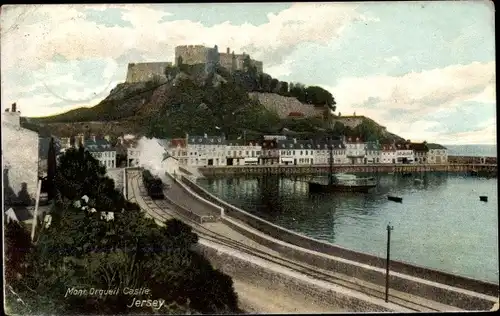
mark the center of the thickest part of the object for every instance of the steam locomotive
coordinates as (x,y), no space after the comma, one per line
(154,185)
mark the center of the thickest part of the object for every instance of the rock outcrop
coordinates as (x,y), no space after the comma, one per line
(284,105)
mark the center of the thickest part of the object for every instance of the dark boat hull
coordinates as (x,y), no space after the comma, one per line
(319,187)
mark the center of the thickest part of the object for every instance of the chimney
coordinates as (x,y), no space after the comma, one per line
(205,135)
(14,107)
(228,51)
(108,138)
(93,137)
(295,140)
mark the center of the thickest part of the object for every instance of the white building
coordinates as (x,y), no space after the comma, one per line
(177,148)
(372,153)
(304,153)
(101,150)
(437,154)
(404,153)
(206,151)
(293,152)
(240,152)
(322,150)
(286,151)
(20,159)
(388,154)
(355,150)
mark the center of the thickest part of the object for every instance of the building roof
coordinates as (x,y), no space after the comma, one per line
(235,142)
(324,144)
(372,146)
(296,114)
(435,146)
(353,140)
(269,144)
(388,147)
(419,147)
(295,144)
(99,145)
(178,142)
(403,146)
(206,140)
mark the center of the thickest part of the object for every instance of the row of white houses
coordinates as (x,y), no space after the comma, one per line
(201,151)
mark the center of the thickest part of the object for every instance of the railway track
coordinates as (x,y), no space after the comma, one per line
(158,208)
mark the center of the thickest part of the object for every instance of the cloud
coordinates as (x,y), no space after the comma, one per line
(65,30)
(406,104)
(393,60)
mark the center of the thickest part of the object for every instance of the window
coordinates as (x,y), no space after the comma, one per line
(294,152)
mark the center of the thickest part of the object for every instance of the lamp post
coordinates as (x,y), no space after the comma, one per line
(389,229)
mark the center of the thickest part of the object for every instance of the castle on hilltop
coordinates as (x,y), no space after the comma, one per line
(191,55)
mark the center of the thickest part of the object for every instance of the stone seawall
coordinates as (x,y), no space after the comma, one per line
(472,160)
(431,284)
(324,169)
(278,280)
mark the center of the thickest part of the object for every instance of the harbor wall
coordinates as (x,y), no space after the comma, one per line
(368,168)
(293,238)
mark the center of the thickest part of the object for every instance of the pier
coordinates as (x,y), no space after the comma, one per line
(367,168)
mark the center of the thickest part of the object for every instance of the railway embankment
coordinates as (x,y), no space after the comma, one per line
(431,284)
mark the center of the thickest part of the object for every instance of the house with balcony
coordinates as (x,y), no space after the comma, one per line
(404,153)
(241,152)
(355,150)
(388,154)
(437,154)
(206,150)
(269,152)
(372,152)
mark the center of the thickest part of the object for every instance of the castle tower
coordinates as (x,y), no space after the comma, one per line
(233,62)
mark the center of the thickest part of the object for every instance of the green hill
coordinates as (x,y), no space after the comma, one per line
(187,100)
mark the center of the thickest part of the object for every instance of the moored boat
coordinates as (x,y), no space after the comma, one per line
(341,182)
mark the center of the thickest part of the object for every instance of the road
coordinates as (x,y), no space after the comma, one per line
(224,235)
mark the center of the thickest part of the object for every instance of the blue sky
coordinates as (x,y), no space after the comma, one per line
(425,70)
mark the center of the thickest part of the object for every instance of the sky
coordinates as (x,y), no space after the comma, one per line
(425,70)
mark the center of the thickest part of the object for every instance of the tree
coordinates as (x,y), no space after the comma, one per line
(274,85)
(17,248)
(51,169)
(81,249)
(283,88)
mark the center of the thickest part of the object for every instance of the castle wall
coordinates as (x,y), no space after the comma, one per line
(192,54)
(226,60)
(142,72)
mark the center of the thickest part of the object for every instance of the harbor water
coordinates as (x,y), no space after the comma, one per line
(440,224)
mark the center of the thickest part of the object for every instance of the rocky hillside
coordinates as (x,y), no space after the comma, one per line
(189,100)
(282,105)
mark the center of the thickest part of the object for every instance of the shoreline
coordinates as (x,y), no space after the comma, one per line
(481,169)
